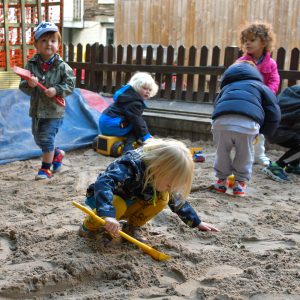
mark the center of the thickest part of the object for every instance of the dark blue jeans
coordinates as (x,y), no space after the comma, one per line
(44,132)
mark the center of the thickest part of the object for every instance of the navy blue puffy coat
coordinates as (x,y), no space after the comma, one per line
(244,93)
(288,132)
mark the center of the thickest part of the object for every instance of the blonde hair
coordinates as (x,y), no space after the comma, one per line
(143,80)
(169,159)
(260,30)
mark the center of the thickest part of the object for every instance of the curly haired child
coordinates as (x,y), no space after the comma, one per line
(139,185)
(257,40)
(47,116)
(125,116)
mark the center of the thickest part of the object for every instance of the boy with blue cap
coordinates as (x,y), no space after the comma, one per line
(48,68)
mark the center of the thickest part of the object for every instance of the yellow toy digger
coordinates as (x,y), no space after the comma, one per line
(110,145)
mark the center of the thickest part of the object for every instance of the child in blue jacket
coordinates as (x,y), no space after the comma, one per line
(244,108)
(125,116)
(139,185)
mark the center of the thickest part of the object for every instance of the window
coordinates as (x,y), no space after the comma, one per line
(109,36)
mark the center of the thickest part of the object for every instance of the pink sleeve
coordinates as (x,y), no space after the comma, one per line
(274,79)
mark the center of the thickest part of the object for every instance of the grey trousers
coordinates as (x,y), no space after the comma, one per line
(238,163)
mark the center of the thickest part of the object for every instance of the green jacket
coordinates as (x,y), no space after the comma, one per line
(60,76)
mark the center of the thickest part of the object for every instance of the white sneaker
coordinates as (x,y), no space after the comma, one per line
(262,160)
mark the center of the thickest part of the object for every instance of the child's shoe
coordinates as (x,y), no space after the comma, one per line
(293,169)
(43,174)
(84,232)
(57,161)
(239,188)
(220,186)
(107,238)
(275,172)
(135,232)
(259,151)
(262,160)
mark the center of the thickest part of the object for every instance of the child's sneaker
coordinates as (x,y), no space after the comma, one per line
(239,188)
(220,186)
(293,169)
(262,160)
(275,172)
(135,232)
(84,232)
(57,161)
(43,174)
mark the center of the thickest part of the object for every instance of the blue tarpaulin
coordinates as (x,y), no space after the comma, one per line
(80,127)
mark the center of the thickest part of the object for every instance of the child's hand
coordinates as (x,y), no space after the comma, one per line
(112,226)
(33,81)
(207,227)
(51,92)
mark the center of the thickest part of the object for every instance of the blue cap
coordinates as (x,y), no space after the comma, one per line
(44,27)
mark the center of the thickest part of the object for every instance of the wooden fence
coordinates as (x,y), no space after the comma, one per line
(182,74)
(204,22)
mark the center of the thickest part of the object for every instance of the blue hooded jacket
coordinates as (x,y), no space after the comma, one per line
(244,93)
(125,115)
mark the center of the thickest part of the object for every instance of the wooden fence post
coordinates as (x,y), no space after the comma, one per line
(212,87)
(190,78)
(179,77)
(294,64)
(120,51)
(231,55)
(280,61)
(202,78)
(129,57)
(81,72)
(168,77)
(94,60)
(159,76)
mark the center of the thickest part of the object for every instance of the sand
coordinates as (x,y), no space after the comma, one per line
(255,256)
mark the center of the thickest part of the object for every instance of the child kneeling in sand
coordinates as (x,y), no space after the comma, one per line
(139,185)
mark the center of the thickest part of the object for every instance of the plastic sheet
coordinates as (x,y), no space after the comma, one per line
(80,127)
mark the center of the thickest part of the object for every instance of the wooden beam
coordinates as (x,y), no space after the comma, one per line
(39,8)
(6,33)
(24,48)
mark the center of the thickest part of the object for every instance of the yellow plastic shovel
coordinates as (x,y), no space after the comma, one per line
(147,249)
